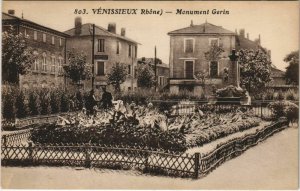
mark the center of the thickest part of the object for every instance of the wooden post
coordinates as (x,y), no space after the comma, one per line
(30,152)
(196,162)
(87,158)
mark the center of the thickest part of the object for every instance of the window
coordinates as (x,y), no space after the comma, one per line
(189,69)
(60,63)
(189,45)
(129,69)
(52,64)
(100,45)
(213,69)
(129,50)
(44,62)
(118,47)
(44,37)
(36,63)
(160,80)
(60,41)
(35,35)
(135,71)
(25,32)
(213,41)
(100,68)
(135,48)
(52,40)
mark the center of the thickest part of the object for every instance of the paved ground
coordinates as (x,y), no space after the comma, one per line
(272,164)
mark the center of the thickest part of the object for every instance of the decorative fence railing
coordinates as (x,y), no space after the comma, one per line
(175,108)
(19,123)
(235,147)
(15,137)
(174,164)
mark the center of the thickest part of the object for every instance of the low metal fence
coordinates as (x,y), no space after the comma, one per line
(149,161)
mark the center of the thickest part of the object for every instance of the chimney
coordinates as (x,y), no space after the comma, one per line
(192,24)
(242,33)
(247,35)
(123,31)
(11,12)
(78,25)
(111,27)
(259,39)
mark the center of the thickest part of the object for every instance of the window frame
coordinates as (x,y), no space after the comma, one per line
(96,68)
(211,39)
(44,62)
(184,45)
(53,40)
(129,50)
(35,34)
(184,71)
(44,37)
(101,46)
(218,69)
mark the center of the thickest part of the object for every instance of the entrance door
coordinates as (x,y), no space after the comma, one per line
(189,69)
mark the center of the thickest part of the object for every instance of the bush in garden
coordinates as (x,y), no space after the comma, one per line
(65,103)
(269,95)
(45,100)
(22,107)
(9,109)
(284,109)
(55,101)
(79,101)
(277,109)
(291,95)
(34,103)
(280,96)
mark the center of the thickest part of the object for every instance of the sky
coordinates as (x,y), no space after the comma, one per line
(276,21)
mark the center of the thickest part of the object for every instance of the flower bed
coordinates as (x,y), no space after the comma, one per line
(144,127)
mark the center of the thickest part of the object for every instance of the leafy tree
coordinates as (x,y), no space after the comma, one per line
(44,95)
(77,69)
(145,76)
(214,53)
(55,101)
(255,67)
(8,101)
(16,55)
(292,71)
(117,76)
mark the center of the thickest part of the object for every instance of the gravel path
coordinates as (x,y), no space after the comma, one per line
(272,164)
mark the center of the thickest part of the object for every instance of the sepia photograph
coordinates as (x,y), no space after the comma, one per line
(152,95)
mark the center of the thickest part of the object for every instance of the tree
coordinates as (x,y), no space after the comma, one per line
(117,76)
(77,69)
(292,71)
(255,67)
(213,56)
(17,57)
(145,76)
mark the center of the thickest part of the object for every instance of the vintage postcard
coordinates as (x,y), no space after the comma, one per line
(150,95)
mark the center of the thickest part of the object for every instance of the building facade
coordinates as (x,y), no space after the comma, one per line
(110,49)
(188,47)
(47,45)
(162,71)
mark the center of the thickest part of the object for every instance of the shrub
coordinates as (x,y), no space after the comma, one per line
(291,95)
(269,95)
(284,109)
(65,103)
(9,109)
(34,103)
(55,101)
(22,107)
(45,99)
(280,96)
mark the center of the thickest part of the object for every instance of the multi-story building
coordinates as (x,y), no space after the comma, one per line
(110,49)
(48,46)
(187,56)
(162,70)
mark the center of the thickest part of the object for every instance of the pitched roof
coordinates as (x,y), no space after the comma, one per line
(205,28)
(9,19)
(276,72)
(99,31)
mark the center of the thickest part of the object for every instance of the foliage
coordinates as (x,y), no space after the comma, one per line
(77,69)
(8,100)
(45,99)
(214,53)
(291,95)
(284,109)
(65,102)
(22,107)
(34,103)
(117,76)
(254,69)
(145,76)
(292,71)
(16,55)
(55,101)
(202,76)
